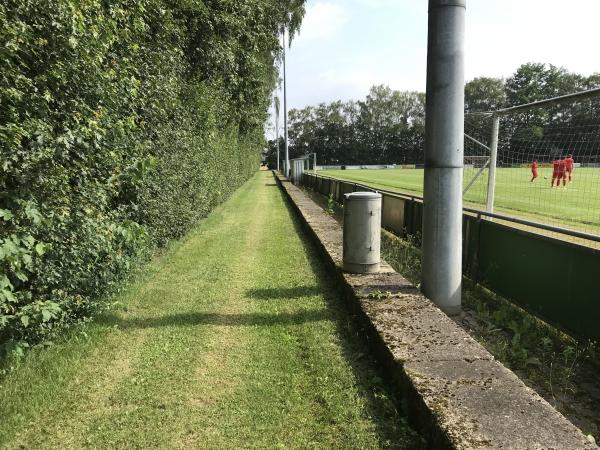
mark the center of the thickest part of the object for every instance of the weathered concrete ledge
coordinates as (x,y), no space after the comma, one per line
(453,390)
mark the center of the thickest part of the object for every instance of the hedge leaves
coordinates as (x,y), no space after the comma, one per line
(122,123)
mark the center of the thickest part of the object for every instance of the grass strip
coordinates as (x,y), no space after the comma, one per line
(234,338)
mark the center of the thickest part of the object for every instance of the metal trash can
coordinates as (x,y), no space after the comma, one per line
(362,232)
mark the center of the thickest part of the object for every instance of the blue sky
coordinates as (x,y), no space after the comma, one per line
(346,46)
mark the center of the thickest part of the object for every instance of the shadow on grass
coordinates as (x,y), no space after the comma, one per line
(195,319)
(283,293)
(383,405)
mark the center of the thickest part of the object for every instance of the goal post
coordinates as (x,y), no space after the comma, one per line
(491,187)
(519,155)
(483,163)
(476,161)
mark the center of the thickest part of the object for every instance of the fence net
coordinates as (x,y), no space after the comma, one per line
(548,164)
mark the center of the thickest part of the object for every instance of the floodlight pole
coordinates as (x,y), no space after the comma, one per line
(285,119)
(315,162)
(444,153)
(489,207)
(276,107)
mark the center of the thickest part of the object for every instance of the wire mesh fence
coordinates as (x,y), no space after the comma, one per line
(547,165)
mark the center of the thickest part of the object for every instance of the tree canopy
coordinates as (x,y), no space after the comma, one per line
(388,126)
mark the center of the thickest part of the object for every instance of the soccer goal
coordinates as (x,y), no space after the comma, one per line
(476,161)
(540,159)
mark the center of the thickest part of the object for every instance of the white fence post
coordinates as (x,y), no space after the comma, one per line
(493,162)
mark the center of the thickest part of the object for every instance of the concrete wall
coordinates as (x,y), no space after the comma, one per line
(557,280)
(452,389)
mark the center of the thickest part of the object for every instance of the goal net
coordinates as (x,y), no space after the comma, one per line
(534,177)
(476,161)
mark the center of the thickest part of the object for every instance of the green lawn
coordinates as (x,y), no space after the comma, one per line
(234,338)
(576,207)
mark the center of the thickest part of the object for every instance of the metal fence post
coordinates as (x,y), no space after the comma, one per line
(444,154)
(489,207)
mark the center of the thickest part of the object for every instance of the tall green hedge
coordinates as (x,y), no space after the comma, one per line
(122,122)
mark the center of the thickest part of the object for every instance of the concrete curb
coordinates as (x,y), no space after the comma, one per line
(454,391)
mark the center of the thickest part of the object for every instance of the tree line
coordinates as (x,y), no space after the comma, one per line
(388,126)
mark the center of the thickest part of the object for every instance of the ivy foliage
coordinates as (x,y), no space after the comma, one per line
(122,123)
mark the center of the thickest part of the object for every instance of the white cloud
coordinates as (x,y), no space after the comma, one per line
(387,3)
(358,79)
(322,20)
(503,34)
(345,46)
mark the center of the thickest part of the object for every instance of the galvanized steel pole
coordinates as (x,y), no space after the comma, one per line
(276,107)
(315,162)
(489,207)
(444,150)
(285,120)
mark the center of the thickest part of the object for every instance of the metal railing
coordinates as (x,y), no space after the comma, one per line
(478,212)
(506,256)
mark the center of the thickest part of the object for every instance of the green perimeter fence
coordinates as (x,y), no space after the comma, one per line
(558,281)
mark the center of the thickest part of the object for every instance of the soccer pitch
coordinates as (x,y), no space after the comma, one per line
(577,207)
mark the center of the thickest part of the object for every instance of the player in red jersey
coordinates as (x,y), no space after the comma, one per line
(569,166)
(559,171)
(534,171)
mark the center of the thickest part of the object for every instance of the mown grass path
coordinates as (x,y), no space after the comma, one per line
(235,338)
